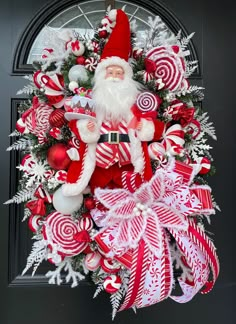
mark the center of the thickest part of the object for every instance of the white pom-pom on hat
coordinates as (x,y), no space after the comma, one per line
(112,14)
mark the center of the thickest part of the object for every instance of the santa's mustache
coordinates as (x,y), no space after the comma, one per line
(113,79)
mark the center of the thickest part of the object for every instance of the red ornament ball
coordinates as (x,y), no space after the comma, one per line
(85,223)
(57,119)
(89,203)
(103,34)
(205,165)
(57,157)
(80,60)
(112,284)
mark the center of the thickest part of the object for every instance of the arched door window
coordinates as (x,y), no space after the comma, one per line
(83,18)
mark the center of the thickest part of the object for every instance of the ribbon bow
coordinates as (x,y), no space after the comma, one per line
(163,202)
(173,138)
(37,206)
(138,114)
(32,110)
(180,112)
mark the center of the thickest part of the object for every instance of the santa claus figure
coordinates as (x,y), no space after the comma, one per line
(113,152)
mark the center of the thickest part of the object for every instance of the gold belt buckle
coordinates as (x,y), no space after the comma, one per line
(113,138)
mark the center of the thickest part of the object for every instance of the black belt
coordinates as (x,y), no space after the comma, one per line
(113,138)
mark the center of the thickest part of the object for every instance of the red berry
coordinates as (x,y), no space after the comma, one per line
(103,34)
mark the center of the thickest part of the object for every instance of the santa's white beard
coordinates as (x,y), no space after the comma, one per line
(114,98)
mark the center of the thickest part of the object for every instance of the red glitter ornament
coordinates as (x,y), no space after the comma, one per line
(57,119)
(89,203)
(103,34)
(80,60)
(57,157)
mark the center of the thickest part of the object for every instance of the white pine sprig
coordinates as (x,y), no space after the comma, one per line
(191,66)
(206,126)
(158,34)
(115,302)
(28,89)
(21,196)
(36,257)
(197,91)
(20,144)
(56,275)
(185,41)
(27,214)
(99,289)
(198,146)
(15,133)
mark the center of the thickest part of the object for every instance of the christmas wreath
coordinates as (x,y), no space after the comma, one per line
(115,167)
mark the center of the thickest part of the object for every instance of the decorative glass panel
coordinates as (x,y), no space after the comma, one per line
(83,18)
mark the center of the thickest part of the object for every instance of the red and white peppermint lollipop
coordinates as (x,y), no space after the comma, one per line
(109,265)
(38,121)
(48,174)
(74,142)
(91,64)
(112,284)
(170,67)
(205,165)
(55,132)
(60,231)
(34,222)
(28,161)
(157,151)
(21,127)
(147,101)
(92,261)
(61,176)
(194,128)
(42,138)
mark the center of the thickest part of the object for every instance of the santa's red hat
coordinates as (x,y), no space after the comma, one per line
(118,48)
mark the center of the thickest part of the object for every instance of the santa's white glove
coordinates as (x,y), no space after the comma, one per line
(145,130)
(88,130)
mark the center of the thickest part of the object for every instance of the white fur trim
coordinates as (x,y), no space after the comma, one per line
(89,163)
(112,14)
(73,154)
(115,60)
(147,131)
(136,152)
(85,134)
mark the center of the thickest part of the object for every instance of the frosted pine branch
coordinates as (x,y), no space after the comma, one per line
(206,126)
(36,257)
(158,34)
(55,276)
(198,146)
(21,196)
(185,41)
(115,302)
(197,91)
(27,214)
(15,133)
(190,68)
(99,289)
(28,89)
(75,276)
(20,144)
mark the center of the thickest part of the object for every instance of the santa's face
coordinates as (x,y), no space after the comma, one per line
(114,73)
(114,93)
